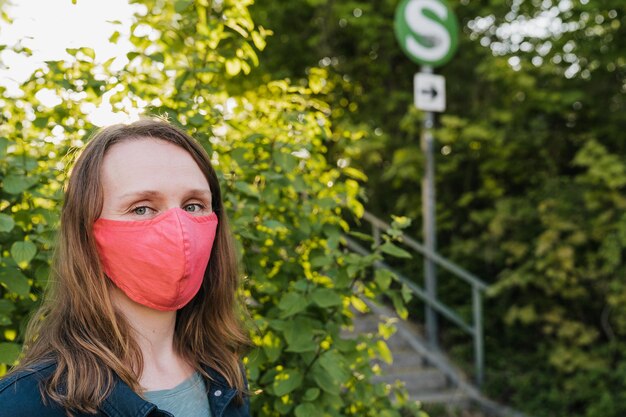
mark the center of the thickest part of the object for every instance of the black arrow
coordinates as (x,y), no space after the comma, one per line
(432,92)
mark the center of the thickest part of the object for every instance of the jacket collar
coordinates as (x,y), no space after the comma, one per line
(123,401)
(220,393)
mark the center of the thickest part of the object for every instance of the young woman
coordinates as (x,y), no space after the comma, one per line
(140,318)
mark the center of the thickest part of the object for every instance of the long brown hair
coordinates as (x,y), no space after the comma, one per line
(77,326)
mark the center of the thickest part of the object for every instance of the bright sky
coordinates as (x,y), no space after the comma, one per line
(47,27)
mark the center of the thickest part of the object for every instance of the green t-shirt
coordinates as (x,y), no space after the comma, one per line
(187,399)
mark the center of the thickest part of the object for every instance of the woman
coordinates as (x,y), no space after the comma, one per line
(140,318)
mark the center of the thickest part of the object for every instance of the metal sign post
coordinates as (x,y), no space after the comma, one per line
(429,219)
(428,33)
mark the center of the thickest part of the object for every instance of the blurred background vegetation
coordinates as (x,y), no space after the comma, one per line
(531,174)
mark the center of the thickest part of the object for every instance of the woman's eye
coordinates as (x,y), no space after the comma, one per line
(140,210)
(193,208)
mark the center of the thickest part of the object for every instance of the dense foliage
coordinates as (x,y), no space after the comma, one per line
(531,173)
(287,200)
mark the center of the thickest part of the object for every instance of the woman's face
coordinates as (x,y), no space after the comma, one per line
(142,178)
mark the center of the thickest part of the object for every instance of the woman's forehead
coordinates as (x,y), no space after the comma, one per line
(150,164)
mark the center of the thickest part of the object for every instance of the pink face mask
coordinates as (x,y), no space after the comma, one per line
(159,262)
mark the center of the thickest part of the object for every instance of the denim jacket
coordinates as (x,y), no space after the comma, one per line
(20,397)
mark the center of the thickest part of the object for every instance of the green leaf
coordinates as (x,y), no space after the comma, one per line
(40,122)
(386,329)
(393,250)
(42,274)
(400,222)
(9,352)
(258,40)
(6,223)
(406,293)
(398,304)
(284,160)
(23,252)
(362,236)
(359,304)
(274,224)
(282,408)
(311,394)
(334,364)
(321,261)
(181,5)
(157,57)
(89,52)
(292,303)
(383,351)
(114,37)
(326,297)
(14,184)
(254,138)
(233,66)
(287,381)
(15,281)
(247,189)
(272,346)
(383,278)
(307,410)
(324,380)
(197,119)
(299,335)
(4,144)
(239,155)
(6,307)
(354,173)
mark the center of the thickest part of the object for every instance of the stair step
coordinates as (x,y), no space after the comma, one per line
(402,359)
(365,323)
(448,397)
(397,343)
(415,379)
(423,382)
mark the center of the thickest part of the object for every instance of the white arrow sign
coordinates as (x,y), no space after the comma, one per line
(429,92)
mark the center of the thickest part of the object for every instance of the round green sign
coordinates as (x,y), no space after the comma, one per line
(427,31)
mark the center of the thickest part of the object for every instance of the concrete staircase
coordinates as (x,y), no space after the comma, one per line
(424,381)
(428,376)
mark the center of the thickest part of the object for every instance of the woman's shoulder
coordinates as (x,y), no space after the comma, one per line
(25,377)
(20,394)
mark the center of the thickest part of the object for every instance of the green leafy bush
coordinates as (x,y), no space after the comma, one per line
(287,203)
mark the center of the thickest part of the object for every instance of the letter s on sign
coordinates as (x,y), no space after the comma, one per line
(427,29)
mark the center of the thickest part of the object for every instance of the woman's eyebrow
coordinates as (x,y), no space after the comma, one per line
(157,194)
(141,194)
(200,192)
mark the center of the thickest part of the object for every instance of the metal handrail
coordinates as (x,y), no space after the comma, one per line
(475,329)
(416,289)
(414,244)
